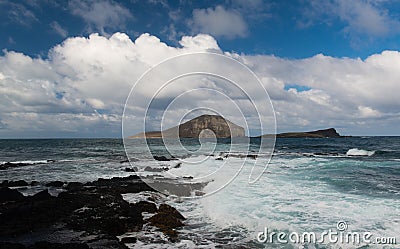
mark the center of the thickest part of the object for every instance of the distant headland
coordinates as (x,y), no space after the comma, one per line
(325,133)
(207,126)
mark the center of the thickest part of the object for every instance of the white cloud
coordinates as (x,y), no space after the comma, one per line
(81,76)
(361,17)
(219,22)
(82,86)
(18,13)
(100,14)
(58,29)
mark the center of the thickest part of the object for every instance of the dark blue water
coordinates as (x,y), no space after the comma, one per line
(310,183)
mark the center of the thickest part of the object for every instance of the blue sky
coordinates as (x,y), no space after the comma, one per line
(291,29)
(332,63)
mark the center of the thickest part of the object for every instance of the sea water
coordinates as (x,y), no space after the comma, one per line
(310,185)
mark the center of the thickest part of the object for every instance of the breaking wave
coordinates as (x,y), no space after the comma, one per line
(358,152)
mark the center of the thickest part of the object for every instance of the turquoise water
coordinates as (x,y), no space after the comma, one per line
(309,185)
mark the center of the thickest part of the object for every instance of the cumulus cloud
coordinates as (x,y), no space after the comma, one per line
(80,90)
(219,22)
(100,15)
(85,79)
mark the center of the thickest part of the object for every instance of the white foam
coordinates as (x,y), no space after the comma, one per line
(29,162)
(359,152)
(280,202)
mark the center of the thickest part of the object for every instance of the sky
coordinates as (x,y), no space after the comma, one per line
(67,67)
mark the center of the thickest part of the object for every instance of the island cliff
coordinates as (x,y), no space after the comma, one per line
(205,126)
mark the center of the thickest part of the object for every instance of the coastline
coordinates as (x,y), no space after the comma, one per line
(84,215)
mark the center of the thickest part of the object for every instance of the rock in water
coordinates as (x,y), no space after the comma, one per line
(205,126)
(326,133)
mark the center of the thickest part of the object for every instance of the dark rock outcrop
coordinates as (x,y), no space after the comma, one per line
(44,245)
(95,209)
(163,158)
(145,206)
(56,184)
(128,240)
(167,220)
(19,183)
(7,195)
(134,169)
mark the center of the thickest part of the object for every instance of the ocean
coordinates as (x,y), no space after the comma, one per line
(310,185)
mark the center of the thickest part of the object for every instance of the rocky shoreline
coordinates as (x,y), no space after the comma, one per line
(85,215)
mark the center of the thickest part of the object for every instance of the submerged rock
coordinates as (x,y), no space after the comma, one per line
(161,158)
(150,169)
(134,169)
(19,183)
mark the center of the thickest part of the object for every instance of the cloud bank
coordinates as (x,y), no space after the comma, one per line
(81,88)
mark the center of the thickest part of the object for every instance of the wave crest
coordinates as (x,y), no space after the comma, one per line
(359,152)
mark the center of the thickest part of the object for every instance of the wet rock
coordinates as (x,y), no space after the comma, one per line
(95,209)
(134,169)
(107,243)
(178,165)
(19,183)
(252,156)
(161,158)
(56,184)
(199,193)
(167,220)
(12,165)
(101,212)
(34,183)
(145,206)
(7,194)
(9,245)
(150,169)
(48,245)
(74,186)
(165,208)
(121,185)
(41,196)
(127,240)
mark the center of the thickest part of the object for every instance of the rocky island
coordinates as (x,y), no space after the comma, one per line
(205,126)
(325,133)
